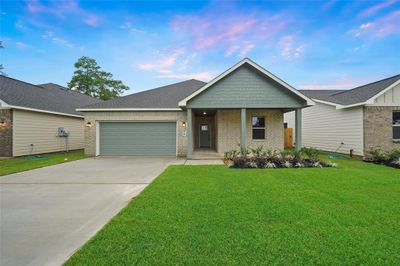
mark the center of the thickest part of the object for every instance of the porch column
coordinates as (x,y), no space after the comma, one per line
(189,134)
(298,127)
(243,131)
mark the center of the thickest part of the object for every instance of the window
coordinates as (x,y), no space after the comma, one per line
(258,124)
(396,125)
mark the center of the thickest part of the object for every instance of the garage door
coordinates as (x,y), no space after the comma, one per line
(137,138)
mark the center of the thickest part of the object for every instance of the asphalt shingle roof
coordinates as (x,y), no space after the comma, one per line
(357,95)
(163,97)
(55,99)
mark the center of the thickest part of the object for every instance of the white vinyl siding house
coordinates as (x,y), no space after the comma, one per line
(325,128)
(361,118)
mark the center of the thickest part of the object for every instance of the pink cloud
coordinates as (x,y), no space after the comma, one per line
(164,64)
(231,50)
(228,31)
(172,66)
(376,8)
(289,48)
(61,9)
(247,47)
(91,20)
(382,27)
(329,4)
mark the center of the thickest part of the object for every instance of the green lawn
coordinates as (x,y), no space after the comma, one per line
(212,215)
(20,164)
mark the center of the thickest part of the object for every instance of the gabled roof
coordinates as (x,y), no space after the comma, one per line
(356,96)
(256,66)
(52,86)
(162,98)
(22,95)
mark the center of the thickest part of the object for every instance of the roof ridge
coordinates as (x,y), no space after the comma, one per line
(23,82)
(358,87)
(161,87)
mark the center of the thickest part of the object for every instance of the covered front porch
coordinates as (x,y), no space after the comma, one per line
(212,131)
(244,107)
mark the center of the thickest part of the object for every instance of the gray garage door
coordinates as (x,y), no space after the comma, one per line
(137,138)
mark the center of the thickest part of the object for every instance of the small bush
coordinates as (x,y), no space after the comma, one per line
(394,155)
(388,158)
(311,153)
(258,152)
(230,155)
(240,162)
(377,155)
(269,165)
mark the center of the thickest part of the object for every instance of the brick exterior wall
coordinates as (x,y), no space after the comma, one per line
(378,130)
(228,128)
(93,117)
(6,133)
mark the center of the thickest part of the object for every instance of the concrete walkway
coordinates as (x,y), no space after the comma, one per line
(205,162)
(48,213)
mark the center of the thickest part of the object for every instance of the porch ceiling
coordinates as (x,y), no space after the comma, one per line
(204,111)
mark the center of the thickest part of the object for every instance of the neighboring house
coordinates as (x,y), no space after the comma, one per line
(360,118)
(31,115)
(244,105)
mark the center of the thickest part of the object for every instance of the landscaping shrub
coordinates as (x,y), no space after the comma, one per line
(311,153)
(379,156)
(260,158)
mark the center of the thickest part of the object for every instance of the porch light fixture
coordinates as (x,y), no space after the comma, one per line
(204,113)
(183,124)
(89,124)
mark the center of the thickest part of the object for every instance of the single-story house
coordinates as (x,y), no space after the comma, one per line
(243,105)
(31,117)
(357,119)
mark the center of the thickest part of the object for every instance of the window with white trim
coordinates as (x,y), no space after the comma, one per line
(396,125)
(258,126)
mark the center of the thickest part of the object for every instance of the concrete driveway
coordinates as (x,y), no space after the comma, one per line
(48,213)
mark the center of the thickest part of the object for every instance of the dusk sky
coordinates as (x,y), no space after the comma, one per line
(310,45)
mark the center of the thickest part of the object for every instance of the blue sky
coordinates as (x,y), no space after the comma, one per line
(311,45)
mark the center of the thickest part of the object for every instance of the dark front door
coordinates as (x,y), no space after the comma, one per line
(205,141)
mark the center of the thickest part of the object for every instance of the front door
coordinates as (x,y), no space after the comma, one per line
(205,141)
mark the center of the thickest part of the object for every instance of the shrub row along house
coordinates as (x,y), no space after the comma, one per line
(358,119)
(32,118)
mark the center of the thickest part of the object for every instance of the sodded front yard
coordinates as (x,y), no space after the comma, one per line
(199,215)
(24,163)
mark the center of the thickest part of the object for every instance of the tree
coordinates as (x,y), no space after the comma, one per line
(91,80)
(1,65)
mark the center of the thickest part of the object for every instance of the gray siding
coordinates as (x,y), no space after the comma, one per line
(137,138)
(246,87)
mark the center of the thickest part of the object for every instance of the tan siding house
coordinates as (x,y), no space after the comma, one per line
(31,116)
(41,131)
(244,106)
